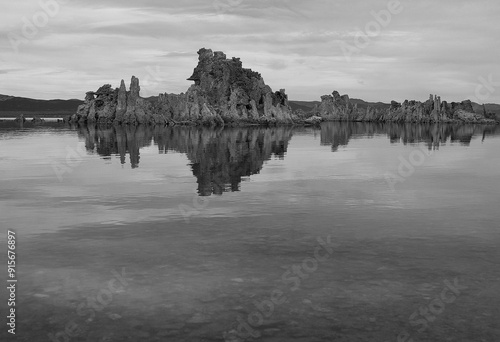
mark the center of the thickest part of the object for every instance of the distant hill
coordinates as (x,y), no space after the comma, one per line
(307,106)
(5,97)
(363,104)
(151,99)
(490,107)
(13,106)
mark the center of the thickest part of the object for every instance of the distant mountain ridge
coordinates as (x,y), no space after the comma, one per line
(490,107)
(12,105)
(5,97)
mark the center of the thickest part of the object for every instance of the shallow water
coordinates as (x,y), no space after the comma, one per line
(344,232)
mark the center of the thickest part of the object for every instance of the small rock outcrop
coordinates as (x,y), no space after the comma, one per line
(108,105)
(336,108)
(20,118)
(339,108)
(99,106)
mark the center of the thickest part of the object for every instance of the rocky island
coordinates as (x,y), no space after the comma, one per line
(225,93)
(339,108)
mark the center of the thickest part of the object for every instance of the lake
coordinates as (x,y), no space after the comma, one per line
(344,232)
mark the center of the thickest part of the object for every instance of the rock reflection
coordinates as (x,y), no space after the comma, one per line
(117,140)
(221,158)
(339,134)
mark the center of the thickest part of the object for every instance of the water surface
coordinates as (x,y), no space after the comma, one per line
(208,226)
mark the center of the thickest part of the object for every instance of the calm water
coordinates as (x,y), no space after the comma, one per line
(348,232)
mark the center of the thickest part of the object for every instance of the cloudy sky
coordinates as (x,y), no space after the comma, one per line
(63,48)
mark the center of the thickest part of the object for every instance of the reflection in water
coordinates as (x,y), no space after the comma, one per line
(107,141)
(392,252)
(339,134)
(221,158)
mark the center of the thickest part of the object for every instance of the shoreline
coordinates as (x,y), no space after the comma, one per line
(304,123)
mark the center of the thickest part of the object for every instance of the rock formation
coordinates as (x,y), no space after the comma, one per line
(339,108)
(108,105)
(223,93)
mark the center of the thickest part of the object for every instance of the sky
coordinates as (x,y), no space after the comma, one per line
(376,50)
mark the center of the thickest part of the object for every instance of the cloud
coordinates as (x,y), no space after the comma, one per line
(6,71)
(440,47)
(178,54)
